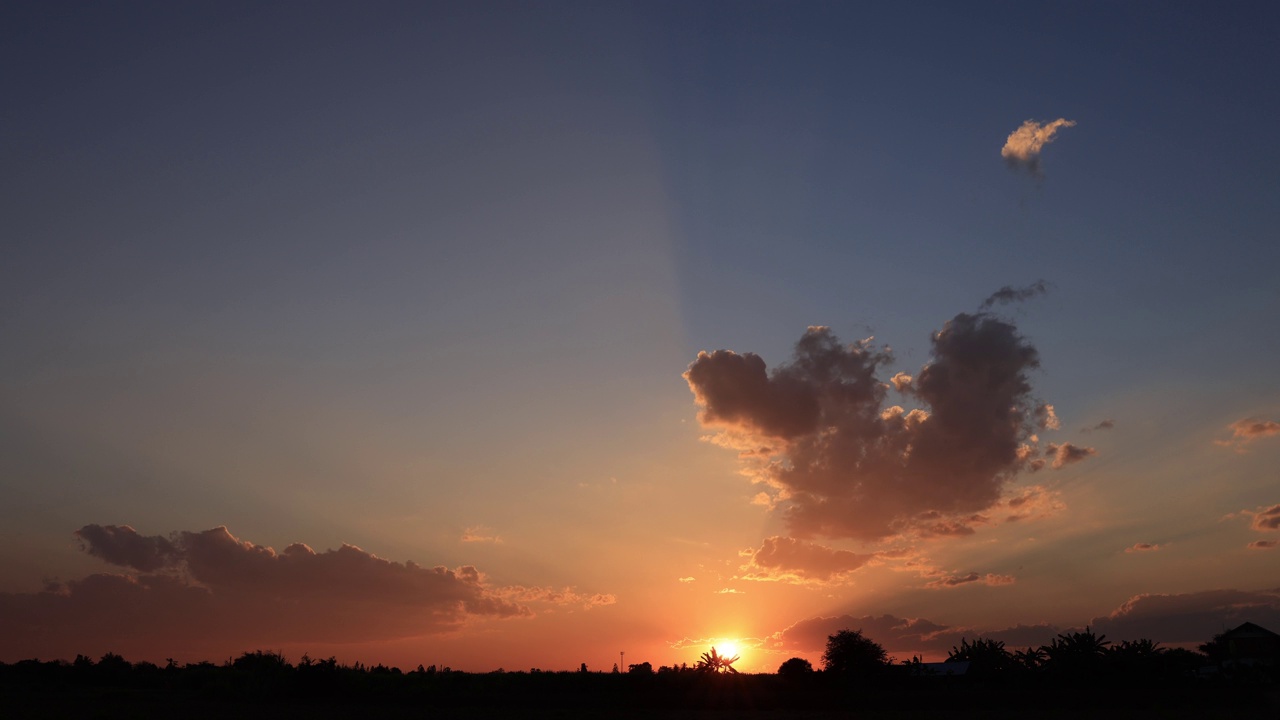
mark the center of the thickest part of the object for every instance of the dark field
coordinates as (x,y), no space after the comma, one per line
(51,690)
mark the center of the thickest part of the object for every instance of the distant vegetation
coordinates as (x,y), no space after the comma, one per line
(1078,672)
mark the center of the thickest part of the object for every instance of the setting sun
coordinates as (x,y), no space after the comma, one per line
(728,649)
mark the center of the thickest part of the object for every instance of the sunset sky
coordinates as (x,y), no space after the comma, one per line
(518,335)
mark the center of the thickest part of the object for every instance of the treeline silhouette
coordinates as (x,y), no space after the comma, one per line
(1076,673)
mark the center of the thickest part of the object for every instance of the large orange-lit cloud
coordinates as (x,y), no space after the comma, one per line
(844,463)
(1022,148)
(211,590)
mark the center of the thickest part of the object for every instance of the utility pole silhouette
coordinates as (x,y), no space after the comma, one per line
(622,661)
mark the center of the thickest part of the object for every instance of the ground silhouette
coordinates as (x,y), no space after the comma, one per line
(1078,674)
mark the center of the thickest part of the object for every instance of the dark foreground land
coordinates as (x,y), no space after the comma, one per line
(62,690)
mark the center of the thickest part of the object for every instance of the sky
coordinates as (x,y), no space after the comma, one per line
(526,335)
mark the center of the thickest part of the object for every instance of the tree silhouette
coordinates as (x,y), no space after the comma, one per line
(1031,658)
(985,656)
(711,662)
(849,652)
(1077,652)
(795,667)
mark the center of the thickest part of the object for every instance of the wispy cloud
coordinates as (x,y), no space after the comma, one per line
(951,581)
(480,534)
(1009,294)
(1248,430)
(1142,547)
(554,596)
(1022,148)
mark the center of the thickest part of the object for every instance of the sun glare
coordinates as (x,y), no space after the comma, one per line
(727,648)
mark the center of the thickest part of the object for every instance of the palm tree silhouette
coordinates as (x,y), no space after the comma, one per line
(711,662)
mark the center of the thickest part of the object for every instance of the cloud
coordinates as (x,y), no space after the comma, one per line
(687,579)
(480,534)
(1189,617)
(122,545)
(951,581)
(843,464)
(1046,417)
(1031,503)
(1266,519)
(1022,148)
(1246,431)
(1142,547)
(730,591)
(1104,425)
(685,643)
(1009,294)
(797,561)
(1262,544)
(1068,454)
(210,589)
(901,636)
(553,596)
(1263,519)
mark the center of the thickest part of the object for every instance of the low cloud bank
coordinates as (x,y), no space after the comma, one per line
(1179,619)
(212,590)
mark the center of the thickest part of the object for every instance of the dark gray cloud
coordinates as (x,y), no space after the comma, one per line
(1009,294)
(210,589)
(1181,619)
(1189,617)
(1104,425)
(902,637)
(844,463)
(122,545)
